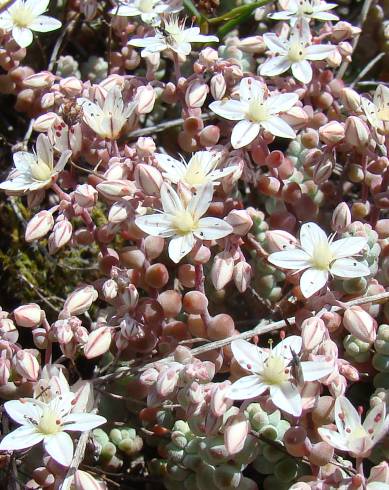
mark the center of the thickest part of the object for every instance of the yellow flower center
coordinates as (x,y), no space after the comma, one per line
(195,175)
(274,372)
(41,171)
(322,256)
(257,111)
(49,423)
(22,16)
(184,223)
(296,52)
(358,433)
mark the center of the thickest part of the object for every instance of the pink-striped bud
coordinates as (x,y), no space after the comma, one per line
(60,236)
(341,218)
(296,117)
(42,79)
(5,370)
(313,331)
(331,133)
(148,178)
(47,100)
(296,442)
(222,270)
(334,59)
(145,146)
(220,402)
(46,121)
(39,226)
(84,481)
(278,240)
(252,45)
(240,221)
(26,365)
(79,301)
(113,189)
(71,86)
(380,473)
(343,30)
(85,195)
(345,49)
(210,135)
(145,98)
(39,336)
(8,330)
(357,133)
(349,371)
(242,276)
(218,86)
(81,335)
(236,431)
(120,211)
(360,324)
(29,316)
(110,289)
(167,382)
(323,170)
(351,99)
(196,93)
(63,332)
(149,377)
(98,343)
(208,56)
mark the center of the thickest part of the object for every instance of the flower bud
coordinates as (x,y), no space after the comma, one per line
(208,56)
(360,324)
(8,330)
(81,335)
(296,442)
(120,211)
(98,343)
(357,133)
(334,59)
(341,218)
(148,178)
(60,236)
(71,86)
(313,331)
(145,146)
(278,240)
(167,382)
(29,316)
(210,135)
(380,473)
(196,93)
(222,270)
(85,195)
(332,132)
(351,99)
(43,79)
(323,170)
(145,98)
(242,276)
(39,226)
(47,100)
(113,189)
(110,289)
(252,45)
(26,365)
(235,433)
(5,370)
(343,30)
(218,86)
(84,481)
(321,454)
(39,336)
(240,221)
(79,301)
(296,117)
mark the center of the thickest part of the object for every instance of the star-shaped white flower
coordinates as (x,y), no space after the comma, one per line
(201,168)
(353,436)
(148,10)
(377,112)
(47,422)
(308,9)
(271,371)
(24,16)
(256,109)
(295,53)
(34,171)
(107,121)
(174,36)
(320,256)
(184,223)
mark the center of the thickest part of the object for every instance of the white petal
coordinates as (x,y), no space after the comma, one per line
(62,404)
(44,150)
(318,51)
(346,417)
(180,246)
(6,22)
(82,421)
(63,159)
(277,126)
(212,229)
(229,109)
(324,16)
(302,71)
(376,422)
(158,224)
(248,355)
(201,200)
(43,23)
(60,447)
(37,6)
(23,161)
(125,11)
(21,438)
(22,36)
(333,438)
(275,66)
(312,237)
(287,398)
(92,114)
(171,201)
(244,133)
(286,346)
(280,102)
(222,172)
(349,268)
(290,259)
(21,410)
(250,88)
(173,169)
(381,97)
(275,44)
(246,388)
(346,247)
(312,281)
(313,370)
(15,185)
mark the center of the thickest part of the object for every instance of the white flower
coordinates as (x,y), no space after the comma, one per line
(352,435)
(294,53)
(107,121)
(309,9)
(270,371)
(24,16)
(174,36)
(47,422)
(319,255)
(148,10)
(377,112)
(34,171)
(255,110)
(201,168)
(184,222)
